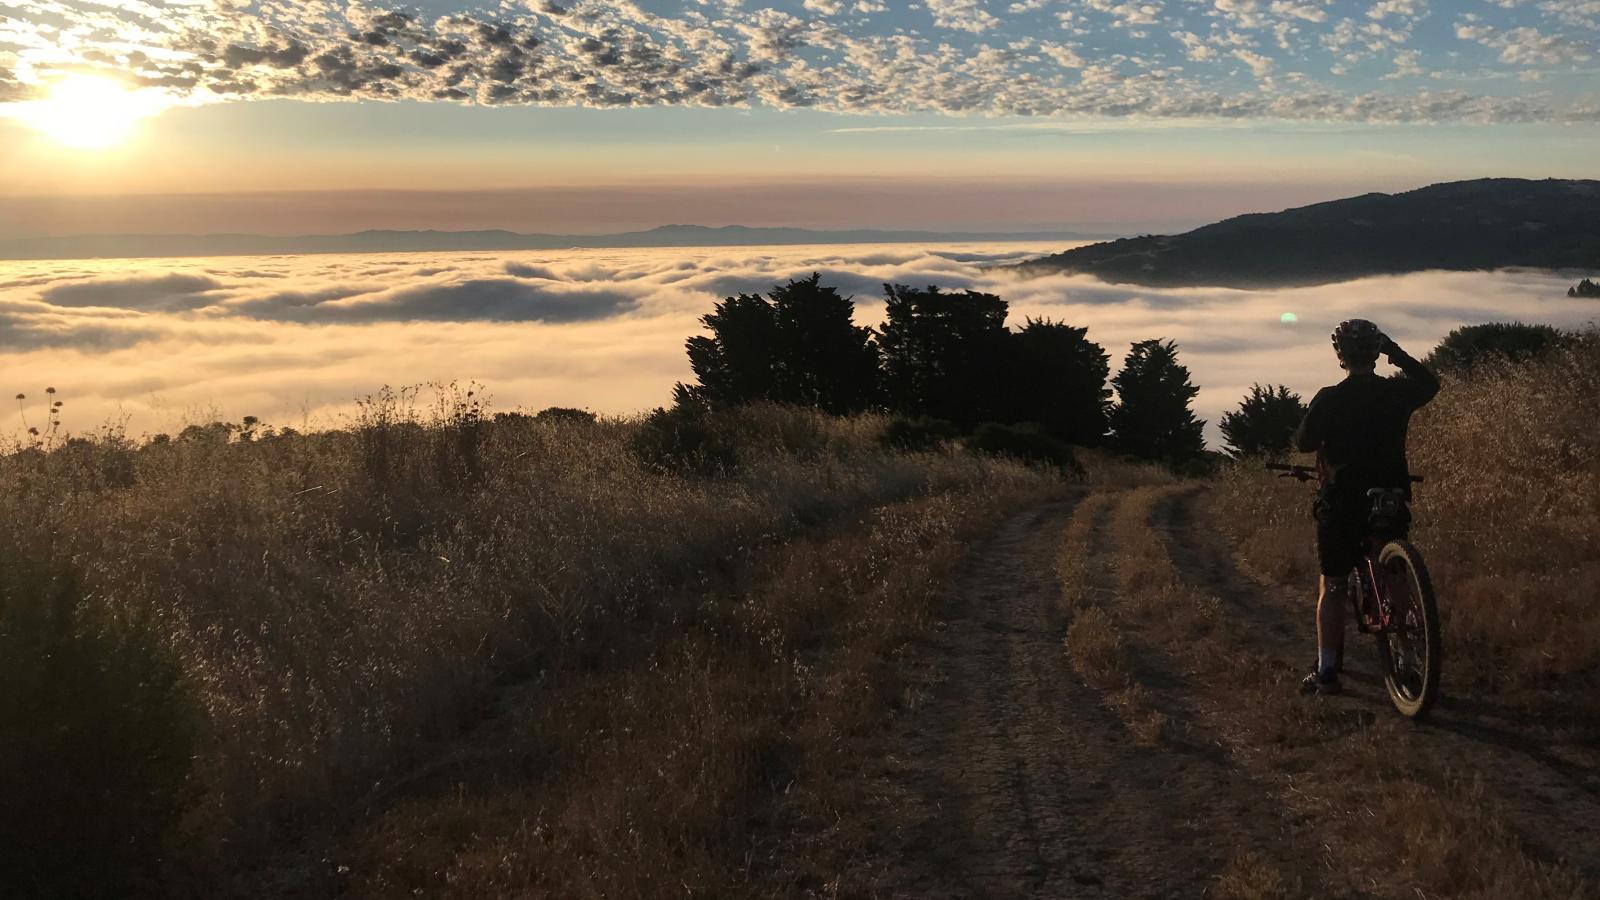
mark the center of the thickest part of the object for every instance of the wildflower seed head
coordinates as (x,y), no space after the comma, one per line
(22,396)
(49,390)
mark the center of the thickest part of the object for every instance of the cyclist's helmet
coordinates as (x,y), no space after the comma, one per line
(1357,341)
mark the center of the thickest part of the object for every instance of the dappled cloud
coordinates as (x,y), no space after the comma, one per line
(293,340)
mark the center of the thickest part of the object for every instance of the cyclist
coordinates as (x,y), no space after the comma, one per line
(1358,430)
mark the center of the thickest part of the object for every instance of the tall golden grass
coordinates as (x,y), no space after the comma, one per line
(343,604)
(1508,519)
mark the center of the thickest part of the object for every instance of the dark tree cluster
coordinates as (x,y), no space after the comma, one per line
(943,361)
(799,344)
(1585,288)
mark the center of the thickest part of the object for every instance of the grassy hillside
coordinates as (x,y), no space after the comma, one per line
(1509,519)
(442,650)
(341,609)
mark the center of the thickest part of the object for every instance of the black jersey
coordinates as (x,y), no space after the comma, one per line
(1358,426)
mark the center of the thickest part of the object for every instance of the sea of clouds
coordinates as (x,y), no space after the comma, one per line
(158,343)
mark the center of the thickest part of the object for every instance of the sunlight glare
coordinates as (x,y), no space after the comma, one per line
(89,112)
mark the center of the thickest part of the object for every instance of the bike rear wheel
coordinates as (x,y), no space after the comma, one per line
(1409,650)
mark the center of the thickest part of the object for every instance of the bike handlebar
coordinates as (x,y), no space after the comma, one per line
(1307,473)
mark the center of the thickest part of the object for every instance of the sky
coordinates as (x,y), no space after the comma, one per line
(603,115)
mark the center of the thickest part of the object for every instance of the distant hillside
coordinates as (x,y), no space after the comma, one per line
(147,245)
(1487,224)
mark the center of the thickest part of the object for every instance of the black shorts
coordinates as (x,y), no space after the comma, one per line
(1344,532)
(1341,538)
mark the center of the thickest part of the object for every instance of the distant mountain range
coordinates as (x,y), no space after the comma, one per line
(145,245)
(1486,224)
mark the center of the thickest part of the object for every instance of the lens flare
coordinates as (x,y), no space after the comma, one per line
(1288,318)
(88,112)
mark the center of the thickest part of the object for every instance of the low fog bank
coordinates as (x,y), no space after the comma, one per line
(161,343)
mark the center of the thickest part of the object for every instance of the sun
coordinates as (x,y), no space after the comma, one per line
(88,112)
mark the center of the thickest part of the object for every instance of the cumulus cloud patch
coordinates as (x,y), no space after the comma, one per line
(1116,58)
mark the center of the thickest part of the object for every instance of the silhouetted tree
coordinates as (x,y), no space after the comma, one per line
(1151,418)
(1264,423)
(944,355)
(799,344)
(1466,346)
(734,364)
(565,414)
(1584,288)
(822,357)
(1058,379)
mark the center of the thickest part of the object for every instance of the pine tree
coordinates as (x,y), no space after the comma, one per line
(1152,419)
(821,358)
(1058,380)
(944,355)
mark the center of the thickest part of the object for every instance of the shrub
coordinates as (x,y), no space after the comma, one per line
(687,439)
(95,740)
(1471,344)
(919,433)
(1026,442)
(1265,421)
(564,414)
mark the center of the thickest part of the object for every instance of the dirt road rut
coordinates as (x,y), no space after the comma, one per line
(1194,769)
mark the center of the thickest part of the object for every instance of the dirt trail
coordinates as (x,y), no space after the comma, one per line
(1030,784)
(1013,778)
(1545,789)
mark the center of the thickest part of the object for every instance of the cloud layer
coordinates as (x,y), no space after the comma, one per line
(159,342)
(1347,60)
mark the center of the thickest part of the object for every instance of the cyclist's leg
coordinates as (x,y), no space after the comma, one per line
(1332,601)
(1339,549)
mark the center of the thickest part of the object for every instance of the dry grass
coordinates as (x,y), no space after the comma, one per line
(1077,560)
(344,604)
(1249,877)
(706,763)
(1509,520)
(1095,649)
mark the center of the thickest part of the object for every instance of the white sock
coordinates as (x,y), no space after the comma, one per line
(1327,662)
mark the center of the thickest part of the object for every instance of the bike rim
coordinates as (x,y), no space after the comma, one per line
(1407,637)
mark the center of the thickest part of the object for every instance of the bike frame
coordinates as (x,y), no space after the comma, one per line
(1374,607)
(1378,615)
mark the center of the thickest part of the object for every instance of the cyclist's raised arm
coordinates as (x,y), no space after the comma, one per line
(1423,383)
(1314,427)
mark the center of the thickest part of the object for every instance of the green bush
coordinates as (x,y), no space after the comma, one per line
(1469,345)
(96,733)
(919,433)
(566,414)
(688,439)
(1027,442)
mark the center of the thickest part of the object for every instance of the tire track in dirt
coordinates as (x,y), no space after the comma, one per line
(1546,794)
(1029,786)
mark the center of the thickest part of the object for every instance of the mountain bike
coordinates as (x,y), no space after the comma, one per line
(1394,600)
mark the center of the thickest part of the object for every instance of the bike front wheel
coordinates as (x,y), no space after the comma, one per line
(1409,648)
